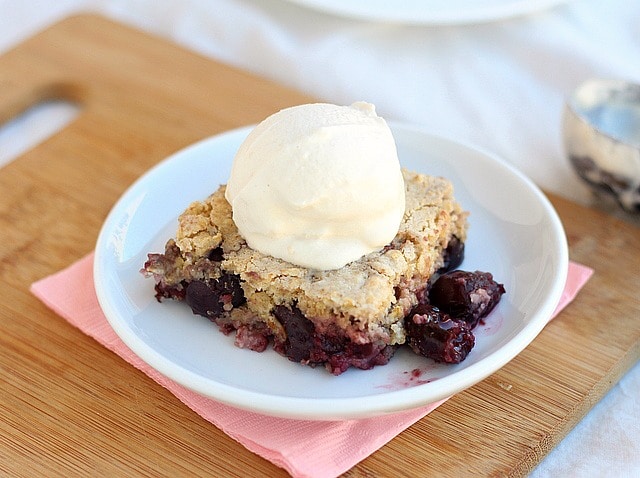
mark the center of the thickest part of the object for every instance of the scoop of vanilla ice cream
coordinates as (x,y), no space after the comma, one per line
(318,185)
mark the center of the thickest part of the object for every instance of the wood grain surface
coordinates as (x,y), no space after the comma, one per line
(69,407)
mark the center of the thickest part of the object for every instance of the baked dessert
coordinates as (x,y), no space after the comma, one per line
(354,315)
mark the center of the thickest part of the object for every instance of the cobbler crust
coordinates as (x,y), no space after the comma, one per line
(366,300)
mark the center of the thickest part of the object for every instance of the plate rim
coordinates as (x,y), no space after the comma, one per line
(416,14)
(343,407)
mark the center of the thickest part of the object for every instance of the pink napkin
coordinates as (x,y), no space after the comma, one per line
(303,448)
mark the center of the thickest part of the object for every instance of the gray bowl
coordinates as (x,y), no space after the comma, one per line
(601,133)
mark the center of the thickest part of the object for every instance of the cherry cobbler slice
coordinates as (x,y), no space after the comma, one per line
(355,316)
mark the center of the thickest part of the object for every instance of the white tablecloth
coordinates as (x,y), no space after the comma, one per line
(499,85)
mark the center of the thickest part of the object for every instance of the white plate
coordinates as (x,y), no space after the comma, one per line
(430,11)
(514,233)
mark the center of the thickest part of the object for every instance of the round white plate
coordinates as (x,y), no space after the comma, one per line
(430,11)
(514,233)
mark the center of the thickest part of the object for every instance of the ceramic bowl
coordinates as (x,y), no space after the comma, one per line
(601,133)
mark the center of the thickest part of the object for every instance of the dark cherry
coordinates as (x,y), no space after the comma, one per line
(300,332)
(453,255)
(438,336)
(337,353)
(216,255)
(469,296)
(362,356)
(213,297)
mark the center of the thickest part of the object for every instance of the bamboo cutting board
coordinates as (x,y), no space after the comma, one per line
(70,407)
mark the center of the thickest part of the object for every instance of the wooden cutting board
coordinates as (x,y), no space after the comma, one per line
(70,407)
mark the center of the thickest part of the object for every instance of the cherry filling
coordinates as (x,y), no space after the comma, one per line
(216,255)
(437,335)
(468,296)
(176,292)
(338,353)
(213,297)
(300,333)
(440,327)
(453,255)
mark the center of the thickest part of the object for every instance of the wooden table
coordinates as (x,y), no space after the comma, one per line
(70,407)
